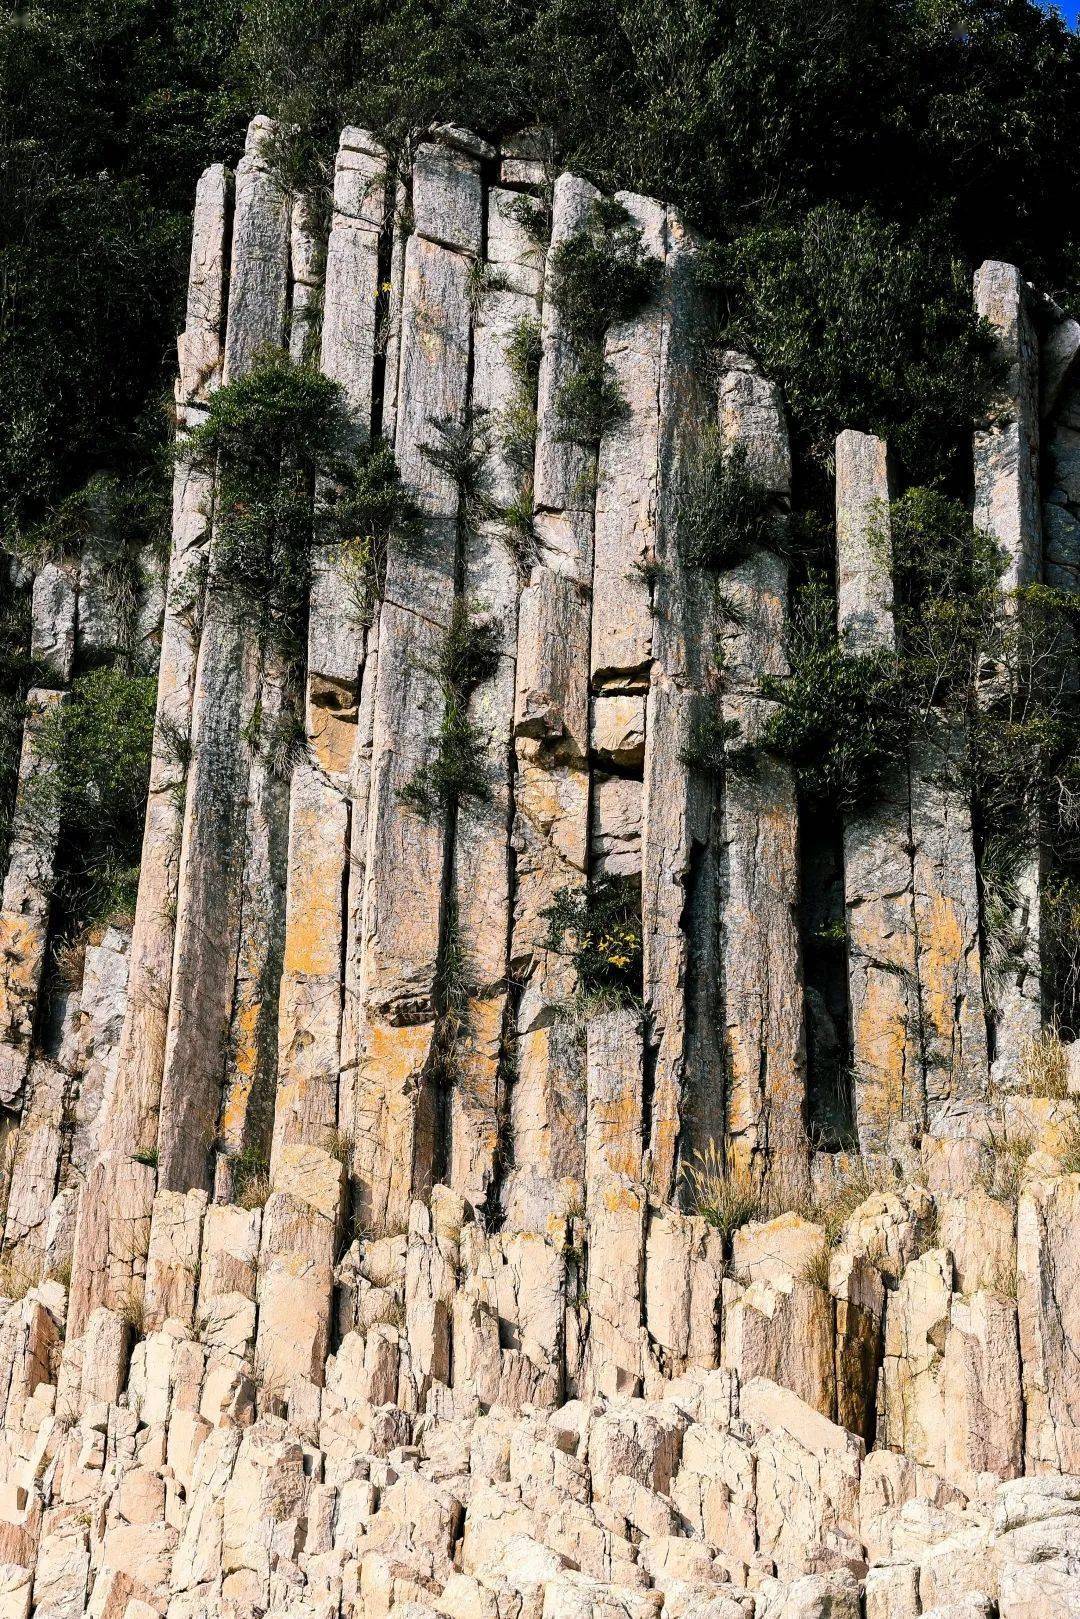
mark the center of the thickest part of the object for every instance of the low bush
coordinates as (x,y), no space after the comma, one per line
(842,718)
(722,511)
(456,770)
(600,930)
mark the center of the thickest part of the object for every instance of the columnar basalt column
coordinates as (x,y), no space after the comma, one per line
(886,1040)
(763,984)
(209,908)
(482,900)
(398,1115)
(1006,458)
(128,1118)
(551,796)
(27,893)
(679,889)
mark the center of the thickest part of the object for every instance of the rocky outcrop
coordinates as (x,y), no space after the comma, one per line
(361,1255)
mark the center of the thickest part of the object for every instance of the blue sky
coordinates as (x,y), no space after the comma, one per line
(1069,12)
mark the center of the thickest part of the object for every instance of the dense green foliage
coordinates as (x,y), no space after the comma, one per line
(273,433)
(600,930)
(843,718)
(98,745)
(722,511)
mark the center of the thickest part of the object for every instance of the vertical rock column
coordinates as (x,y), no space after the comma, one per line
(627,514)
(1007,507)
(763,984)
(212,854)
(128,1118)
(491,579)
(397,1117)
(886,1044)
(679,890)
(551,799)
(319,812)
(24,913)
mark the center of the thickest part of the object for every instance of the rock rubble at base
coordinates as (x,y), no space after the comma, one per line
(470,1354)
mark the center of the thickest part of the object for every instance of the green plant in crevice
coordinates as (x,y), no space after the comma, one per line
(271,434)
(369,504)
(599,928)
(600,274)
(711,747)
(722,511)
(96,746)
(518,440)
(842,718)
(456,771)
(460,451)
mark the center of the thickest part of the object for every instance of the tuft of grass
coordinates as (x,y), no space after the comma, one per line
(723,1198)
(456,770)
(132,1310)
(147,1156)
(1008,1159)
(1069,1156)
(339,1145)
(816,1269)
(722,511)
(1044,1066)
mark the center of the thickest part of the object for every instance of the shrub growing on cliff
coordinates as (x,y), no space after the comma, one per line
(272,433)
(600,930)
(97,744)
(600,274)
(722,511)
(842,718)
(455,771)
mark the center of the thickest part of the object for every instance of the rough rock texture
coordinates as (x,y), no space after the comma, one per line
(351,1262)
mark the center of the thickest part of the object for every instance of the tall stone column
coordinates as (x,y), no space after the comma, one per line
(26,899)
(398,1120)
(883,987)
(680,805)
(491,584)
(117,1184)
(227,676)
(1006,460)
(762,962)
(551,797)
(312,987)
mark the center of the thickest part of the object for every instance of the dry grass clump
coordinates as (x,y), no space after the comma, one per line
(724,1198)
(1044,1067)
(1008,1159)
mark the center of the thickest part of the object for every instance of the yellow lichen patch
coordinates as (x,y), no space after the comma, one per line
(333,737)
(941,942)
(621,1197)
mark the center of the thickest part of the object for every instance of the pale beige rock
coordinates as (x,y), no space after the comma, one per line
(172,1262)
(1048,1303)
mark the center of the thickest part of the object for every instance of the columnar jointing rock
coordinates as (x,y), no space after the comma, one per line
(541,1391)
(482,877)
(212,860)
(680,845)
(1006,453)
(24,914)
(398,1118)
(762,966)
(551,796)
(118,1188)
(886,1041)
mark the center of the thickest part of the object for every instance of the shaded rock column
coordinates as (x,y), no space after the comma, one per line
(491,582)
(1006,450)
(763,985)
(948,946)
(397,1120)
(680,819)
(24,911)
(128,1116)
(212,853)
(311,997)
(886,1042)
(551,798)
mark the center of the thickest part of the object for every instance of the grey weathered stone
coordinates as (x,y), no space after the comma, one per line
(26,897)
(54,605)
(627,477)
(878,879)
(448,198)
(759,877)
(1006,461)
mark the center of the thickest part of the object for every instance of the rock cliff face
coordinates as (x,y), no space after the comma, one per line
(479,1347)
